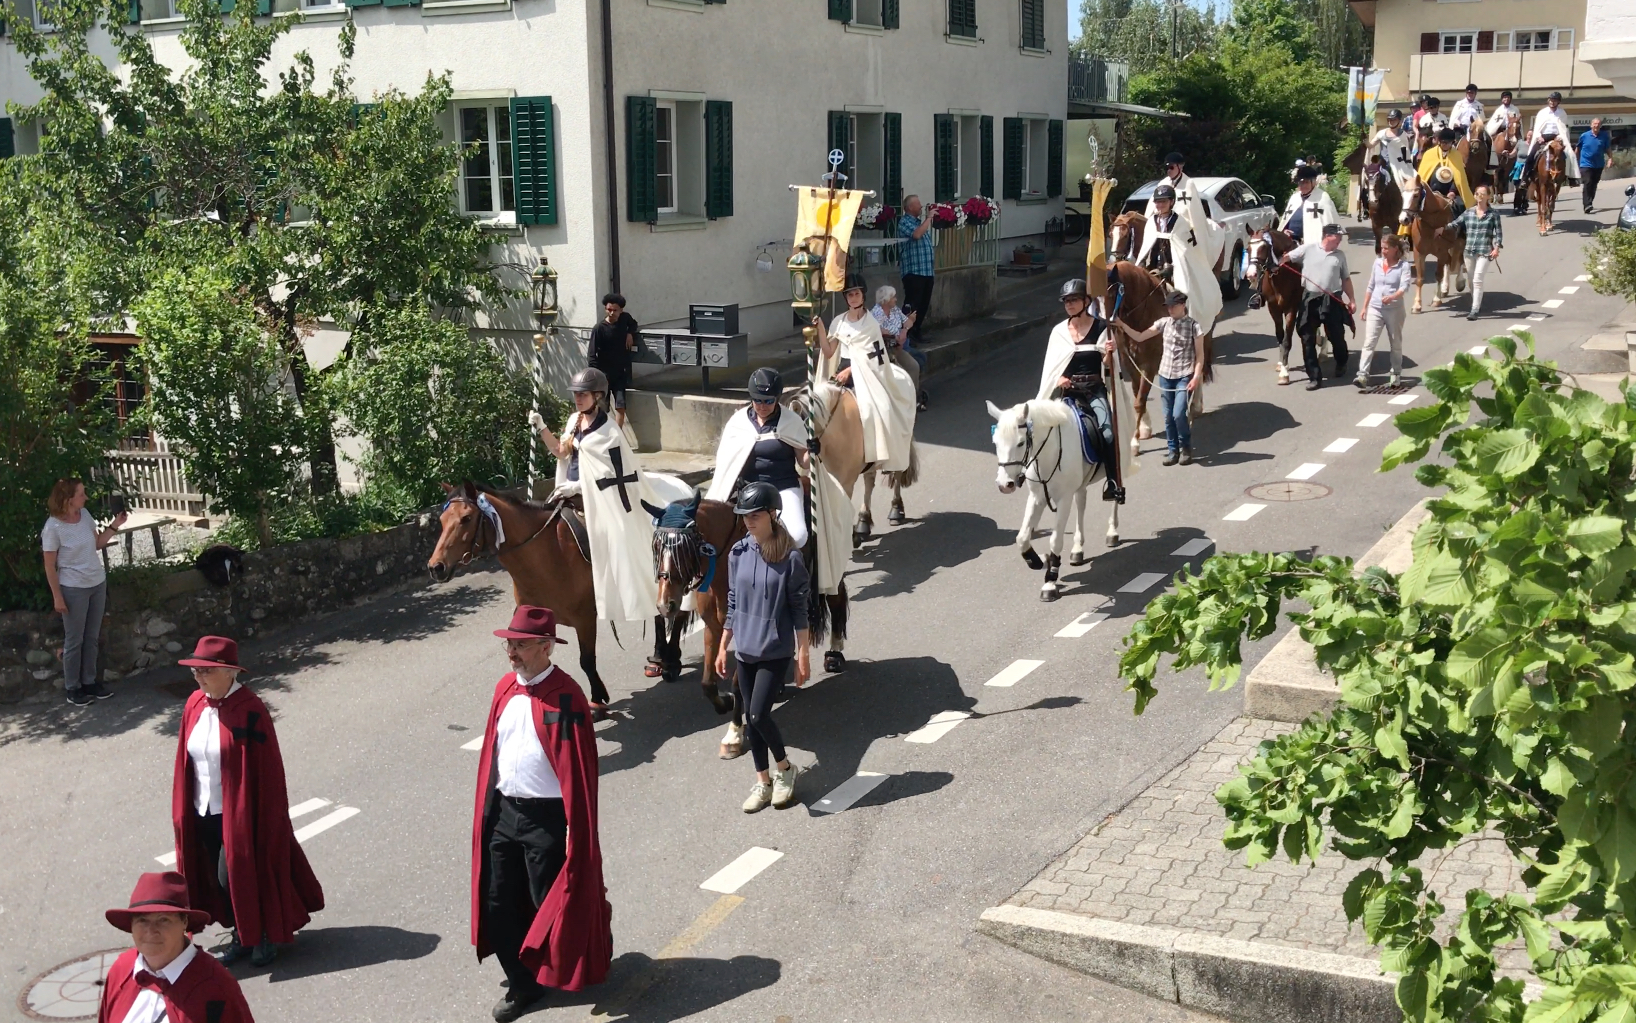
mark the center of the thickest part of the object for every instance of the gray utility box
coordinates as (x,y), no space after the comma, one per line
(682,348)
(709,318)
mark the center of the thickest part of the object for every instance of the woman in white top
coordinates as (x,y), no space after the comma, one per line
(79,585)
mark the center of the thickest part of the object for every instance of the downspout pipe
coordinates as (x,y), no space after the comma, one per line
(611,149)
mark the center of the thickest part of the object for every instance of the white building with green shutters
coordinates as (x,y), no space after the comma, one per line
(654,159)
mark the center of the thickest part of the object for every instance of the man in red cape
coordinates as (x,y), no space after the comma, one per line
(537,898)
(165,977)
(234,840)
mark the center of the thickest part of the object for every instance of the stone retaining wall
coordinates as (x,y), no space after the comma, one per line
(153,620)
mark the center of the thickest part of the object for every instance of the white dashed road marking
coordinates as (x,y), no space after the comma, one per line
(1013,673)
(1305,471)
(850,791)
(1537,317)
(941,724)
(1517,326)
(1551,303)
(1583,277)
(1197,545)
(1081,625)
(298,810)
(1479,350)
(1374,419)
(475,745)
(1243,513)
(324,823)
(1402,399)
(1341,445)
(1142,582)
(741,871)
(1569,290)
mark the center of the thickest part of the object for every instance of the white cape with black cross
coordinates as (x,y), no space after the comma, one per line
(620,529)
(884,391)
(1212,238)
(1191,274)
(739,437)
(1059,352)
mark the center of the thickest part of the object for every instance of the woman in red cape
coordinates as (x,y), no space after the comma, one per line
(270,891)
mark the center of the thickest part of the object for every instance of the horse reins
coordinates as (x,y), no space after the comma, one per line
(476,547)
(1031,457)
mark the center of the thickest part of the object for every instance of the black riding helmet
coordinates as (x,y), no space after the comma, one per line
(1164,192)
(589,379)
(758,496)
(854,282)
(1075,288)
(1395,115)
(766,384)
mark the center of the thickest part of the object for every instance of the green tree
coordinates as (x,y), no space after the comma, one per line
(220,384)
(1139,31)
(1611,259)
(1491,688)
(1322,32)
(306,201)
(435,407)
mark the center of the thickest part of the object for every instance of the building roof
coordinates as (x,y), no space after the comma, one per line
(1082,109)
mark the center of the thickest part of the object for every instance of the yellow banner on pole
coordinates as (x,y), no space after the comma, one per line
(1096,250)
(824,220)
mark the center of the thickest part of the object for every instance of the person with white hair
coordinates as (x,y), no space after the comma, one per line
(895,327)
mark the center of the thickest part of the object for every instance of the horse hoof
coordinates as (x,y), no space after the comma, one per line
(671,674)
(1049,593)
(731,750)
(599,712)
(896,516)
(1113,539)
(1144,432)
(1078,558)
(834,661)
(652,669)
(1032,560)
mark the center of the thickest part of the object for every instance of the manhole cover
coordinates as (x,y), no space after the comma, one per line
(70,991)
(1289,490)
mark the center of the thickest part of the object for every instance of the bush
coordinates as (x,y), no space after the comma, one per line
(436,407)
(1611,260)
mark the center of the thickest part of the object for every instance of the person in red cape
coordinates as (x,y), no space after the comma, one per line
(234,841)
(537,898)
(165,977)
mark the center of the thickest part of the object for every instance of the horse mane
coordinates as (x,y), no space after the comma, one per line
(824,397)
(1044,413)
(515,502)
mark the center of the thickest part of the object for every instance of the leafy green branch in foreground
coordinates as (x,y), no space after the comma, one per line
(1486,689)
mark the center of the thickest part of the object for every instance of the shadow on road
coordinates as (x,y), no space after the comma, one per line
(905,786)
(1218,433)
(641,989)
(333,949)
(910,554)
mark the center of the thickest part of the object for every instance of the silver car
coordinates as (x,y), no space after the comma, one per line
(1237,206)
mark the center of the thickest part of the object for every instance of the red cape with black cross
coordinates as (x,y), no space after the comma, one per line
(204,993)
(274,891)
(571,941)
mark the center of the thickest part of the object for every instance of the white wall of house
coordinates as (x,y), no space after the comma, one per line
(1610,42)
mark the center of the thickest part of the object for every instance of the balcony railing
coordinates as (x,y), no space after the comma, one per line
(972,245)
(1534,70)
(1094,80)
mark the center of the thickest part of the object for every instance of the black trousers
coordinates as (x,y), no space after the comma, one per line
(917,296)
(207,828)
(1590,177)
(759,685)
(527,849)
(1325,311)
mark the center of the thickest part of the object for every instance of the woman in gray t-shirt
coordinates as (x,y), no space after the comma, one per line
(70,541)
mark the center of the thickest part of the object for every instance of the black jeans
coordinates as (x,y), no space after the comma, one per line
(917,296)
(1325,311)
(759,685)
(527,849)
(207,829)
(1590,177)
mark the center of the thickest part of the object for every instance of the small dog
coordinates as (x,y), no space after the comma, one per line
(222,564)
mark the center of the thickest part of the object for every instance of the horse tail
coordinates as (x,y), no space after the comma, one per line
(1209,358)
(841,609)
(909,476)
(817,606)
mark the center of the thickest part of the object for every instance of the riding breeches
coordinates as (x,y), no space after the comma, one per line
(1093,405)
(793,514)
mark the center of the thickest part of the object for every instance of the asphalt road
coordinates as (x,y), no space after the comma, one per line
(866,914)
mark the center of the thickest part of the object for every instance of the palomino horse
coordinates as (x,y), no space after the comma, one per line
(1429,236)
(836,412)
(1125,235)
(1279,286)
(1037,445)
(1549,173)
(1136,297)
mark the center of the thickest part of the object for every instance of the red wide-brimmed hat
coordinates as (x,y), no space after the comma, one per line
(213,652)
(530,622)
(159,893)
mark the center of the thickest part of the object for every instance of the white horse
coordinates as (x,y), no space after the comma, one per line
(1029,444)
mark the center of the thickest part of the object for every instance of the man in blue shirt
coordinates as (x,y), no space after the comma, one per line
(1593,159)
(915,263)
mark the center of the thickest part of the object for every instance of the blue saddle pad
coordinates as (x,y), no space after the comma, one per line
(1084,424)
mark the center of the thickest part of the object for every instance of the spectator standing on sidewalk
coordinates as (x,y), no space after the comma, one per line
(1484,239)
(1383,307)
(79,585)
(917,264)
(1181,370)
(1593,160)
(612,342)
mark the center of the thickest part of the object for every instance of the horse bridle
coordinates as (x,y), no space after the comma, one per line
(477,548)
(1031,459)
(688,555)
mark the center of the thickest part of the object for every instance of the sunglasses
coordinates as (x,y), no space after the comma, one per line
(764,401)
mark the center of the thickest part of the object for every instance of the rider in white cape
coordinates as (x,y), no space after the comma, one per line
(601,467)
(1191,264)
(1307,213)
(1211,236)
(885,392)
(1079,343)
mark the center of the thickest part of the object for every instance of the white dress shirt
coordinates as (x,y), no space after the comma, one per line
(149,1006)
(204,748)
(1465,111)
(525,773)
(1550,118)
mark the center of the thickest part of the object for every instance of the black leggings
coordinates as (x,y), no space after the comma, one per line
(759,683)
(208,830)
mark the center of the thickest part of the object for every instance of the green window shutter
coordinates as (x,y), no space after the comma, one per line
(264,7)
(985,154)
(1016,137)
(534,159)
(963,18)
(1053,158)
(889,15)
(136,11)
(641,159)
(1033,24)
(945,133)
(892,129)
(718,158)
(840,10)
(402,3)
(837,135)
(8,142)
(362,3)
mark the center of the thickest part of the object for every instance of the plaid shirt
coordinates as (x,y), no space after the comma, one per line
(915,254)
(1483,234)
(1180,354)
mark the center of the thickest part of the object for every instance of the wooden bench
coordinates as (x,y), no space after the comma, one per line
(135,523)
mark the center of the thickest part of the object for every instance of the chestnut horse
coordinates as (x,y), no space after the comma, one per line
(1474,151)
(1125,235)
(1385,205)
(1429,236)
(1552,168)
(543,559)
(1504,144)
(1136,297)
(1279,286)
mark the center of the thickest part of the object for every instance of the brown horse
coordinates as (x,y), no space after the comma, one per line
(1136,297)
(1504,145)
(1385,205)
(1429,236)
(1279,286)
(1474,152)
(1549,173)
(1125,235)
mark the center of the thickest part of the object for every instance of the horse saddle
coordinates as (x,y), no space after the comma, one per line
(571,509)
(1087,429)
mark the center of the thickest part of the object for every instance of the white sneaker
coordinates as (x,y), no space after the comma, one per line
(784,786)
(760,795)
(1394,381)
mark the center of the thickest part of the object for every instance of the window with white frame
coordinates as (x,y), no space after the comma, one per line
(664,131)
(1458,41)
(865,149)
(1531,39)
(1036,161)
(1564,38)
(968,156)
(486,185)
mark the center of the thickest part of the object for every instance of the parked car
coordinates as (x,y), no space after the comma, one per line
(1231,202)
(1627,216)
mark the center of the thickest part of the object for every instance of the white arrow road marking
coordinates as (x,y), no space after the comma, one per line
(941,724)
(850,791)
(1013,673)
(1305,471)
(1081,625)
(741,871)
(1374,419)
(298,810)
(1197,545)
(1243,513)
